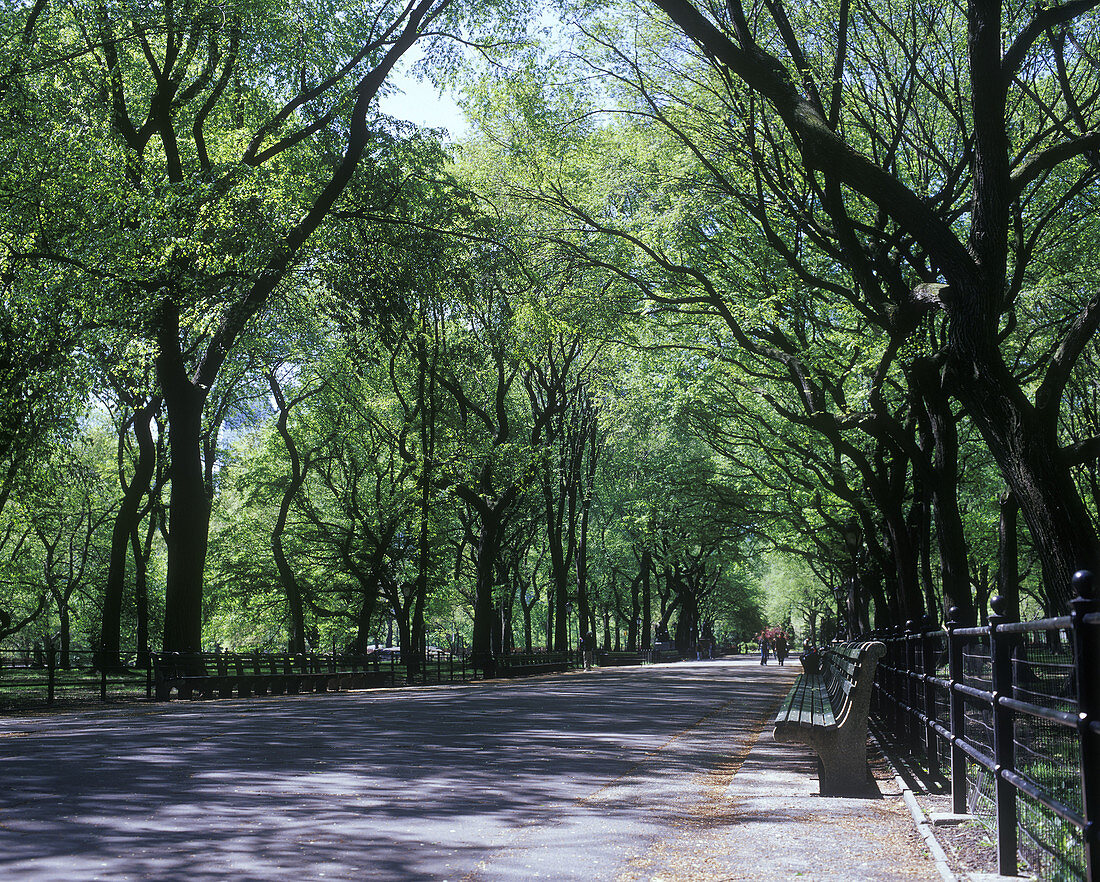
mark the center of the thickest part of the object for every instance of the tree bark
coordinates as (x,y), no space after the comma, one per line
(944,484)
(1035,471)
(127,522)
(1008,563)
(189,502)
(488,550)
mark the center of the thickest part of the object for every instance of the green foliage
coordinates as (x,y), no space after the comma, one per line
(628,297)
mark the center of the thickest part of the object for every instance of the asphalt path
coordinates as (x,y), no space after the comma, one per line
(597,775)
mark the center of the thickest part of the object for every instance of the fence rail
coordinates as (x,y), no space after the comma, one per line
(41,677)
(1012,711)
(46,676)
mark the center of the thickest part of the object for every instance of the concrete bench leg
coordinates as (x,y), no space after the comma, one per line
(842,764)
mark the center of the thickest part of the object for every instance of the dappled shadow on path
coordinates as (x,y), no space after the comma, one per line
(389,785)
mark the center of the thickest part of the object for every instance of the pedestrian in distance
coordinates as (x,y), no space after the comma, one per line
(763,638)
(781,651)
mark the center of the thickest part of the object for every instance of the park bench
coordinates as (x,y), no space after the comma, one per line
(530,663)
(223,674)
(191,674)
(827,709)
(607,658)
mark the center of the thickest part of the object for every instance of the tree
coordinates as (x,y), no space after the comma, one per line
(1010,150)
(225,137)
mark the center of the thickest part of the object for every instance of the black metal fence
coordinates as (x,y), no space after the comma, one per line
(1009,713)
(44,677)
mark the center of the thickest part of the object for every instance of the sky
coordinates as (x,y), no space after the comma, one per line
(420,102)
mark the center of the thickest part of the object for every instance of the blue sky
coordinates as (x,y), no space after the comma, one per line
(420,102)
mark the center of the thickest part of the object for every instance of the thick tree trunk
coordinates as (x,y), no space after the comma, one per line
(65,661)
(920,516)
(549,620)
(189,504)
(560,541)
(296,641)
(687,621)
(1036,472)
(561,616)
(944,484)
(418,647)
(527,643)
(910,602)
(647,601)
(872,584)
(404,631)
(488,549)
(188,524)
(633,626)
(370,581)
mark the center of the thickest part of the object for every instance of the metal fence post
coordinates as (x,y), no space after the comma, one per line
(957,713)
(1086,652)
(1004,742)
(912,732)
(878,693)
(928,670)
(51,668)
(897,685)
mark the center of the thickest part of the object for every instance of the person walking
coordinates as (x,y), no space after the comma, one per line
(763,638)
(588,648)
(781,647)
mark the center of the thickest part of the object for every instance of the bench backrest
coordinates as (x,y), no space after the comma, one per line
(849,673)
(178,665)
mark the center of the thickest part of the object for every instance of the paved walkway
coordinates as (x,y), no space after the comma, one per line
(663,773)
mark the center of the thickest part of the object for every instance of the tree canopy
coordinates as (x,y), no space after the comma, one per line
(719,317)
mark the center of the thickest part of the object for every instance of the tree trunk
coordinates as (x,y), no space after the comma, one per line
(905,562)
(582,570)
(65,661)
(141,589)
(127,522)
(296,641)
(944,484)
(560,542)
(549,620)
(527,644)
(370,581)
(632,626)
(1008,564)
(298,470)
(189,503)
(488,549)
(1038,476)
